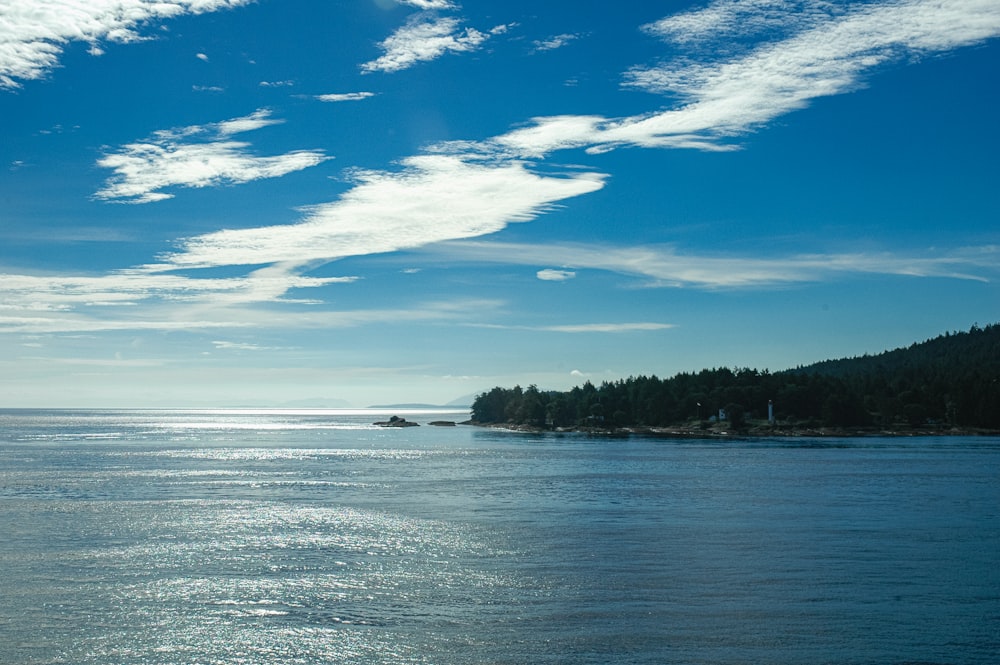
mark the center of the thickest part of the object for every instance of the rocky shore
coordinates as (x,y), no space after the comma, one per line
(721,431)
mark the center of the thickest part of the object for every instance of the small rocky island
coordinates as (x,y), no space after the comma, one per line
(396,421)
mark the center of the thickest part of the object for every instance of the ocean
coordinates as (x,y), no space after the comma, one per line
(309,536)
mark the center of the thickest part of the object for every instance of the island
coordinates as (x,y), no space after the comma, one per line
(946,385)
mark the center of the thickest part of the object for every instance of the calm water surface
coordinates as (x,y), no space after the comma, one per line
(239,537)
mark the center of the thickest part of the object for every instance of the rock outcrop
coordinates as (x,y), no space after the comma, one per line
(396,421)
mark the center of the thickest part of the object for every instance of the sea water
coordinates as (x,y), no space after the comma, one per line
(241,537)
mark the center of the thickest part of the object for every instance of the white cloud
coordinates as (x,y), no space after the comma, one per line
(550,275)
(345,96)
(223,345)
(201,56)
(466,190)
(666,267)
(721,21)
(256,120)
(828,57)
(554,42)
(33,34)
(174,159)
(608,327)
(628,327)
(125,288)
(827,53)
(140,300)
(428,4)
(425,38)
(434,198)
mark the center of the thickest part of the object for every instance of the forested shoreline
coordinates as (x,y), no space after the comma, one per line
(949,383)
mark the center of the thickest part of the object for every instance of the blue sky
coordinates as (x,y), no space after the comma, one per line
(224,202)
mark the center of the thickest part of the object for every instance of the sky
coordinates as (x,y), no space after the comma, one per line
(210,203)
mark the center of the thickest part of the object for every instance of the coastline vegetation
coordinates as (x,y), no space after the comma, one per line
(949,384)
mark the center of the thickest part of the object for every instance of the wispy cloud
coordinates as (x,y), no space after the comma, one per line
(628,327)
(389,211)
(424,38)
(177,158)
(718,23)
(224,345)
(383,212)
(664,266)
(145,299)
(428,4)
(33,34)
(820,52)
(608,327)
(139,300)
(828,56)
(554,42)
(126,288)
(460,191)
(345,96)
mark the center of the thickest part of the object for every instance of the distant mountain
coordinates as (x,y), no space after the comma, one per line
(463,401)
(445,407)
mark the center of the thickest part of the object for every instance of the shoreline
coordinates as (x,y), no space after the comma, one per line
(754,431)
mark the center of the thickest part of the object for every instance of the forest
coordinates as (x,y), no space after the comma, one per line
(949,382)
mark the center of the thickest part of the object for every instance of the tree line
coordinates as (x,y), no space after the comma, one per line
(950,381)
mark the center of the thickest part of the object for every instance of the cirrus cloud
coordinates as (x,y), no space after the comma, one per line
(425,38)
(434,198)
(819,52)
(174,158)
(33,34)
(428,4)
(554,42)
(665,266)
(345,96)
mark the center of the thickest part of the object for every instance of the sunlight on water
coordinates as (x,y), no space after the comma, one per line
(268,566)
(460,546)
(295,454)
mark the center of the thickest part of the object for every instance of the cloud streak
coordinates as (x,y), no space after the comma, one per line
(666,267)
(345,96)
(390,211)
(426,38)
(428,4)
(458,191)
(821,53)
(554,42)
(137,300)
(176,158)
(576,328)
(33,34)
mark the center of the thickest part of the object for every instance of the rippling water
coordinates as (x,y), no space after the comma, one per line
(237,537)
